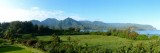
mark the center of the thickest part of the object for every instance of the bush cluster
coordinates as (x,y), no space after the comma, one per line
(140,48)
(127,33)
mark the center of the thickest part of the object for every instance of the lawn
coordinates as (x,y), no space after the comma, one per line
(98,40)
(18,48)
(44,38)
(110,42)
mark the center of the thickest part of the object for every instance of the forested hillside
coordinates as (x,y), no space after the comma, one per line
(89,25)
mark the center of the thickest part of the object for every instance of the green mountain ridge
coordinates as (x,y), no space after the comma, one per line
(89,25)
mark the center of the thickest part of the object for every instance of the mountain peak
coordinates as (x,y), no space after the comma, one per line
(98,22)
(50,19)
(69,18)
(36,22)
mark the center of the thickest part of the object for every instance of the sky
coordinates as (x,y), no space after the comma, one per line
(108,11)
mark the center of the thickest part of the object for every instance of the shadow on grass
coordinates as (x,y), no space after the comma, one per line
(9,48)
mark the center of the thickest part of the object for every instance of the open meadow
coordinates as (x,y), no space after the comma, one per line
(110,42)
(18,48)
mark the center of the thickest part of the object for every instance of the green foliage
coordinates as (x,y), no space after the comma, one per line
(18,27)
(69,38)
(23,33)
(142,37)
(133,35)
(154,37)
(71,46)
(98,33)
(109,42)
(127,33)
(8,34)
(1,42)
(40,45)
(55,38)
(27,36)
(151,47)
(139,48)
(31,42)
(18,48)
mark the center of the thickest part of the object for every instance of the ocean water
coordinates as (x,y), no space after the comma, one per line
(146,32)
(149,32)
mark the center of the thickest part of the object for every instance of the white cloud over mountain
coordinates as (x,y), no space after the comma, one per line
(9,14)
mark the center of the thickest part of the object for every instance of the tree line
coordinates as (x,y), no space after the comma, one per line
(15,28)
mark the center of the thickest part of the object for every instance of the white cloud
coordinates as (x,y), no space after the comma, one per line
(35,8)
(8,14)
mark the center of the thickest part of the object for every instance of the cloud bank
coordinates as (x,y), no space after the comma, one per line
(8,14)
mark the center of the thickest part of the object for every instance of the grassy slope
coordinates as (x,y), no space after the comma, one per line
(18,48)
(102,41)
(110,42)
(44,38)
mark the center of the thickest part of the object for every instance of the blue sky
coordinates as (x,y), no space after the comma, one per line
(109,11)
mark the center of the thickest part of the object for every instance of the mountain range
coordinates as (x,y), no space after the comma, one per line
(89,25)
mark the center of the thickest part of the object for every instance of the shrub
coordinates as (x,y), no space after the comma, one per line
(69,38)
(39,45)
(127,33)
(55,38)
(27,36)
(142,37)
(31,42)
(1,41)
(133,35)
(154,37)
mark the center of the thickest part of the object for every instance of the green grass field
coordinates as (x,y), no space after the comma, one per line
(18,48)
(110,42)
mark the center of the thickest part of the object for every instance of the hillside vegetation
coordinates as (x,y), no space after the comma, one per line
(88,25)
(6,47)
(110,42)
(22,36)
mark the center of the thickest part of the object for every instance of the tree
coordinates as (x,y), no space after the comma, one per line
(69,39)
(55,38)
(40,45)
(40,29)
(31,42)
(35,29)
(4,26)
(133,35)
(8,34)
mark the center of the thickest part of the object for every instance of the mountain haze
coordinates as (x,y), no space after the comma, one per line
(88,25)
